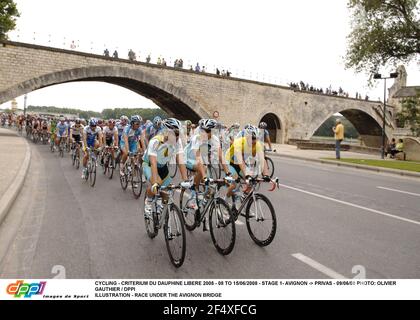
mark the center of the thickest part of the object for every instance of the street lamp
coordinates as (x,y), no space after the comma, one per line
(379,76)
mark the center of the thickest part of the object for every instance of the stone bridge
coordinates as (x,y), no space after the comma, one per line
(187,94)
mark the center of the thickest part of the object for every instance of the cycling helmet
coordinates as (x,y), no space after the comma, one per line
(111,121)
(62,119)
(93,122)
(207,124)
(236,125)
(172,124)
(188,122)
(100,122)
(77,121)
(157,121)
(135,118)
(124,118)
(262,125)
(251,130)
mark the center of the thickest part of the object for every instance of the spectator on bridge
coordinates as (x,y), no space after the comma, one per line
(217,72)
(163,62)
(148,58)
(203,69)
(115,54)
(176,63)
(131,55)
(181,63)
(106,53)
(159,62)
(338,136)
(366,97)
(72,45)
(197,67)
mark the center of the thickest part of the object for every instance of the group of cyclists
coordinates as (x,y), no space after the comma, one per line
(239,154)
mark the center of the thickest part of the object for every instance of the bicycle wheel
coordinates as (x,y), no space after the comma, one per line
(105,166)
(77,162)
(212,172)
(222,226)
(124,179)
(175,235)
(270,166)
(61,151)
(92,173)
(136,183)
(188,213)
(150,222)
(261,220)
(73,159)
(111,166)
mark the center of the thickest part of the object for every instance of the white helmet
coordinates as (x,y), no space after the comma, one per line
(172,124)
(207,124)
(252,130)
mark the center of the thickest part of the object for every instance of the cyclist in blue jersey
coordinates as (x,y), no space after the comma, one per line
(150,130)
(61,131)
(130,140)
(263,127)
(120,126)
(92,138)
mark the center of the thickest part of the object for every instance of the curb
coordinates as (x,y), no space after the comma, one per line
(9,197)
(351,165)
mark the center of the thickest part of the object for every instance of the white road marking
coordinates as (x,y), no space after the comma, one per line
(400,191)
(352,205)
(320,267)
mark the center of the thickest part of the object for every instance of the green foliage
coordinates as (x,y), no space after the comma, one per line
(384,33)
(325,129)
(8,14)
(105,114)
(400,165)
(410,114)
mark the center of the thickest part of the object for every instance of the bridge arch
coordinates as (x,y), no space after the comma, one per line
(172,99)
(274,127)
(369,128)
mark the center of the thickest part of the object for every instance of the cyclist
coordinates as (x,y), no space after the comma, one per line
(110,135)
(130,140)
(157,156)
(120,126)
(244,151)
(76,132)
(204,149)
(44,128)
(92,138)
(61,131)
(189,131)
(150,130)
(263,126)
(233,132)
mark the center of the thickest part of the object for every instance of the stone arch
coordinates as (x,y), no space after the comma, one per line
(274,127)
(174,100)
(369,128)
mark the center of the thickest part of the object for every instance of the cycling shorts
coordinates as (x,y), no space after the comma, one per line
(163,173)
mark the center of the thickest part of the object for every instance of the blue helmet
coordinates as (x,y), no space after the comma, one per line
(93,122)
(135,118)
(157,121)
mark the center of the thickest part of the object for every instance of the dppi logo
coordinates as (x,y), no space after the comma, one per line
(27,290)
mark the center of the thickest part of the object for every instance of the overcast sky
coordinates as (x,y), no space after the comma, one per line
(276,41)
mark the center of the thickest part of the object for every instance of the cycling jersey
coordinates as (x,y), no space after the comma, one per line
(109,134)
(241,144)
(162,150)
(132,137)
(151,131)
(206,147)
(61,129)
(91,135)
(77,130)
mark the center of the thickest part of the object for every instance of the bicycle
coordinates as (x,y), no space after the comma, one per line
(109,163)
(255,214)
(222,222)
(91,167)
(133,173)
(76,155)
(61,147)
(269,162)
(165,213)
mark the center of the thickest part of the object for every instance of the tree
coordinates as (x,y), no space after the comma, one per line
(410,114)
(8,14)
(384,33)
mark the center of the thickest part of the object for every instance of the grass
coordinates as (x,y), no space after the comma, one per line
(391,164)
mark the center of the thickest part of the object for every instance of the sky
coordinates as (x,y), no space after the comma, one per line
(270,41)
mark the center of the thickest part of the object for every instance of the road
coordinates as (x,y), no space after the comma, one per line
(332,222)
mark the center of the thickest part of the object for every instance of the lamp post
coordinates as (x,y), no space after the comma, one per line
(379,76)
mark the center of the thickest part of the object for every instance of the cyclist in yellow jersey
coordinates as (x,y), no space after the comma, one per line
(244,150)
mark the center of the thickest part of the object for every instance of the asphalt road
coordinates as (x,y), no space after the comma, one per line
(332,222)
